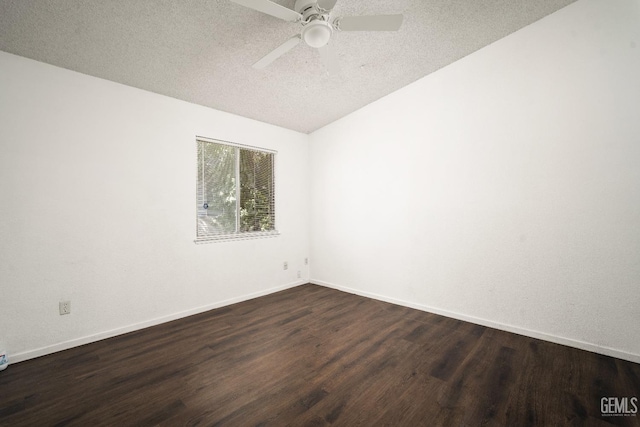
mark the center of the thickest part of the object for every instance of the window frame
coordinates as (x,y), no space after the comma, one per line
(236,235)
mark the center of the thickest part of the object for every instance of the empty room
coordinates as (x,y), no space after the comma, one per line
(319,213)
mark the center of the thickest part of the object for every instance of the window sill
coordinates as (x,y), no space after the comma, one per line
(234,237)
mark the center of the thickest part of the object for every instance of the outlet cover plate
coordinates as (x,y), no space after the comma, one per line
(65,307)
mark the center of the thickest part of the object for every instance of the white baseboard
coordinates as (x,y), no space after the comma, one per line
(31,354)
(19,357)
(491,324)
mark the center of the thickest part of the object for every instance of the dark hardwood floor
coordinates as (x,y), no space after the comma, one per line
(312,356)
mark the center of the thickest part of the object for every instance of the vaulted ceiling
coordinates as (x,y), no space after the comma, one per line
(201,51)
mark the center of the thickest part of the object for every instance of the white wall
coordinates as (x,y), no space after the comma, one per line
(503,189)
(97,206)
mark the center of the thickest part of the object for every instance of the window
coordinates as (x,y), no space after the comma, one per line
(235,191)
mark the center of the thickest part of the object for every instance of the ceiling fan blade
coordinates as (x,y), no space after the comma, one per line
(327,5)
(277,52)
(330,59)
(369,23)
(270,8)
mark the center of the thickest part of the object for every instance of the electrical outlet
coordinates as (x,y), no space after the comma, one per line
(286,265)
(65,307)
(299,274)
(306,261)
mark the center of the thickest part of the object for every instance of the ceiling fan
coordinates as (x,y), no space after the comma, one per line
(318,26)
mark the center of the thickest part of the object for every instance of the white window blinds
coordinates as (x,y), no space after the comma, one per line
(235,191)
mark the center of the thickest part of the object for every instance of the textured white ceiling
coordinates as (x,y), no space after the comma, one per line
(201,51)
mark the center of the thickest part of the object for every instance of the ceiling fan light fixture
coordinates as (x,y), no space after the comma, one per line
(318,25)
(317,33)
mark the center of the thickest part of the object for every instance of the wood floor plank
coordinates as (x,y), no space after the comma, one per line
(313,356)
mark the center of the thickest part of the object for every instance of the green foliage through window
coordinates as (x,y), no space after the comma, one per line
(226,209)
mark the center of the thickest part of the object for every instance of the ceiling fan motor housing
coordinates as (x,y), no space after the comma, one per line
(304,6)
